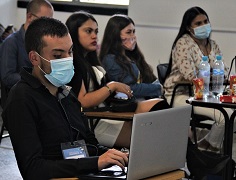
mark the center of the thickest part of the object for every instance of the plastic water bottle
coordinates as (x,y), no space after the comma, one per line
(204,72)
(218,76)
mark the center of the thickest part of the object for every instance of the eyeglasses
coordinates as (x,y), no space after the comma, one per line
(34,15)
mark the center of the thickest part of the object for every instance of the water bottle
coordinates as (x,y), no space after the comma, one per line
(204,72)
(218,76)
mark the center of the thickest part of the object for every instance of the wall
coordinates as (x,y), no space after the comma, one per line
(157,23)
(8,12)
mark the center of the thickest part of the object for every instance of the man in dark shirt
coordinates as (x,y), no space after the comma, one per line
(12,52)
(43,116)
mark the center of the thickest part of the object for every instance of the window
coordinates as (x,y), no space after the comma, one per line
(103,7)
(114,2)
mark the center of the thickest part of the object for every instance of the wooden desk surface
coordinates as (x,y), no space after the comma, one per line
(110,115)
(174,175)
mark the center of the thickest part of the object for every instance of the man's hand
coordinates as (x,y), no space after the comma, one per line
(112,157)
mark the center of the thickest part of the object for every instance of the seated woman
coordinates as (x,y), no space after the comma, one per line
(192,42)
(123,60)
(89,82)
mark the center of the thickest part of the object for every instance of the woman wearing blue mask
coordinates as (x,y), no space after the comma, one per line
(192,42)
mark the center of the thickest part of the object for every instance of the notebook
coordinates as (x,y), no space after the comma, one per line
(158,145)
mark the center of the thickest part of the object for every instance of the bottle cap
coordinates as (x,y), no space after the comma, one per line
(218,57)
(204,58)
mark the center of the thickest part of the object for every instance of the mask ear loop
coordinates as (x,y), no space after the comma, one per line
(42,70)
(192,33)
(41,57)
(189,30)
(44,60)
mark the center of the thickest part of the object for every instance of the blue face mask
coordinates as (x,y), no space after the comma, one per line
(202,32)
(62,71)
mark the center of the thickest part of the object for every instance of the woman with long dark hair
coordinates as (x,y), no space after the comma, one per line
(123,60)
(192,42)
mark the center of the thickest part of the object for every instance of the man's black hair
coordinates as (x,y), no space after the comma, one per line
(44,26)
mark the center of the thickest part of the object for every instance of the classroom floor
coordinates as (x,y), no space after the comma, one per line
(8,165)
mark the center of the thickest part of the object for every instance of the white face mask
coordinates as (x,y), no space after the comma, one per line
(62,71)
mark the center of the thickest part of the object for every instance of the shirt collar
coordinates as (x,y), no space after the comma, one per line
(26,75)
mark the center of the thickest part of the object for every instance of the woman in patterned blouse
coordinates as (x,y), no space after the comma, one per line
(192,42)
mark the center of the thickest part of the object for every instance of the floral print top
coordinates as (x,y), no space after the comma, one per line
(186,56)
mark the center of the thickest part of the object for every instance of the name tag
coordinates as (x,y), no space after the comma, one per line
(74,150)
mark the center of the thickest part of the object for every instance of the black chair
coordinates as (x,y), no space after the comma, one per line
(197,119)
(4,94)
(161,72)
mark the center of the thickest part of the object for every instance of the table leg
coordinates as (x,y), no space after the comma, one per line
(228,141)
(229,144)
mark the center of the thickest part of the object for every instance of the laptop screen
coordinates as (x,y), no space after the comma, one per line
(158,145)
(158,142)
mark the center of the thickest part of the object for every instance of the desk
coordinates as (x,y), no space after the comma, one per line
(174,175)
(214,102)
(120,116)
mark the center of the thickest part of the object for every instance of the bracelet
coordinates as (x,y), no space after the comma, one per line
(108,88)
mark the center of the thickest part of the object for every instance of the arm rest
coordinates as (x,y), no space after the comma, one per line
(183,84)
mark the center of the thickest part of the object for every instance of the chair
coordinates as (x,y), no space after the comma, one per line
(4,94)
(161,72)
(197,119)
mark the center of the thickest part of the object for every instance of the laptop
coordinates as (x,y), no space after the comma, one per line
(158,145)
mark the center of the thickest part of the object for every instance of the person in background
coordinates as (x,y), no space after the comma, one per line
(44,118)
(123,60)
(192,42)
(12,52)
(91,85)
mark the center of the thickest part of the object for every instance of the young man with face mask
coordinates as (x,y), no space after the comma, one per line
(44,119)
(192,42)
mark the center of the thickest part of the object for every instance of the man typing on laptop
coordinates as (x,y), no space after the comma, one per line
(49,134)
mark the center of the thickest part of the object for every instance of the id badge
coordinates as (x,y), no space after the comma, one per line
(74,150)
